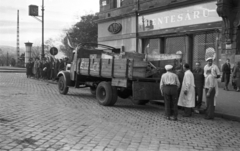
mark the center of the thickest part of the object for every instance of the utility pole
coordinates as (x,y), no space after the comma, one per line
(18,49)
(33,11)
(7,58)
(42,29)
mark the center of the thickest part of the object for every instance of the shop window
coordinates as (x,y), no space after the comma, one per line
(201,43)
(152,47)
(174,45)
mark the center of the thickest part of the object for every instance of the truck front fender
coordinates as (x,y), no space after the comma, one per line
(66,76)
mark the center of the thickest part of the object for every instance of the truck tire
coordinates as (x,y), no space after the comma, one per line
(114,96)
(62,86)
(93,90)
(106,94)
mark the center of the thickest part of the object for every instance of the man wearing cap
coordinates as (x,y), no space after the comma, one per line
(187,94)
(169,85)
(215,72)
(226,70)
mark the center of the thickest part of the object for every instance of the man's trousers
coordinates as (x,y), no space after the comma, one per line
(170,99)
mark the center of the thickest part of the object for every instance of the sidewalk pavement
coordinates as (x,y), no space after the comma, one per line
(12,69)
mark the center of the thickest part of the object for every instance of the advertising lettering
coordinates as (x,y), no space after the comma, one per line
(197,14)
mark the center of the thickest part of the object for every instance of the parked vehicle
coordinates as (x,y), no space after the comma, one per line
(109,75)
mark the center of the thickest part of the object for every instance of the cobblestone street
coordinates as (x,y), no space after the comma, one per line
(34,116)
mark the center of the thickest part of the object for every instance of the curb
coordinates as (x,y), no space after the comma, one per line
(11,71)
(228,117)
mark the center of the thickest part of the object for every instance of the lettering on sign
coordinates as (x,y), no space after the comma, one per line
(191,15)
(84,65)
(95,66)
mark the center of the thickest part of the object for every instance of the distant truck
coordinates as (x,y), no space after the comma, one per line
(109,76)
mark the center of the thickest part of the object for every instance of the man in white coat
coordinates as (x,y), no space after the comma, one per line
(187,94)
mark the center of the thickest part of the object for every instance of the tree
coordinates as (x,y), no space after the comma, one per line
(13,62)
(86,30)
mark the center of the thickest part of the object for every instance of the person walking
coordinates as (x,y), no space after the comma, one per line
(187,94)
(169,85)
(236,76)
(226,70)
(198,74)
(210,94)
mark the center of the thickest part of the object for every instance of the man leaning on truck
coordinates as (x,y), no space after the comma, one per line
(169,88)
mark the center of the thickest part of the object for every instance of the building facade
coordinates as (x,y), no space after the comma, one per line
(166,26)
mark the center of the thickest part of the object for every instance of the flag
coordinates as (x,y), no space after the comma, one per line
(69,42)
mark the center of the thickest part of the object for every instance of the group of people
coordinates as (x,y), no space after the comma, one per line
(186,90)
(46,68)
(227,71)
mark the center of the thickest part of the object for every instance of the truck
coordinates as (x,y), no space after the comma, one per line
(110,74)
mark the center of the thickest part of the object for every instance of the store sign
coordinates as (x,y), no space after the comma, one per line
(191,15)
(115,28)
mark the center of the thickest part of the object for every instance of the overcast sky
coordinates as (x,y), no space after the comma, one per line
(59,15)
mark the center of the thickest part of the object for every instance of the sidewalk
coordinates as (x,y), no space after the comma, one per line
(12,69)
(228,103)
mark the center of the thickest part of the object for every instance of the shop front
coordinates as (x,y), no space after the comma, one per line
(187,29)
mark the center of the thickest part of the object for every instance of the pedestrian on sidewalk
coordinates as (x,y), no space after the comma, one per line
(236,76)
(226,71)
(187,94)
(215,72)
(210,94)
(198,74)
(169,85)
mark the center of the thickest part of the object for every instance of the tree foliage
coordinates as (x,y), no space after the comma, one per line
(85,30)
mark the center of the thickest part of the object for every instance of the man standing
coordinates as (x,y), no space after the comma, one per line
(199,84)
(210,94)
(187,94)
(169,85)
(215,72)
(226,69)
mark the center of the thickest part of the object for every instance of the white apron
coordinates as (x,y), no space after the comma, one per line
(188,84)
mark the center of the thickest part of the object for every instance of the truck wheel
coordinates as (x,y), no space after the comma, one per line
(106,94)
(142,102)
(62,86)
(93,90)
(114,96)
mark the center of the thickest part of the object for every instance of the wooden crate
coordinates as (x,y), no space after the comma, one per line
(106,68)
(120,68)
(137,69)
(95,66)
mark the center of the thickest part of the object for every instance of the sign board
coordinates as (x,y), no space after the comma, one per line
(115,28)
(159,57)
(53,51)
(33,10)
(185,16)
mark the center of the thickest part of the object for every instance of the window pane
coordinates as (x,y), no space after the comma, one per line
(201,43)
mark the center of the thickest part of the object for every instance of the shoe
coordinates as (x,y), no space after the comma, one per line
(208,118)
(184,115)
(168,118)
(196,111)
(175,119)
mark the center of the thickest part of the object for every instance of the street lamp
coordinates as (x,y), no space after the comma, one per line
(33,11)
